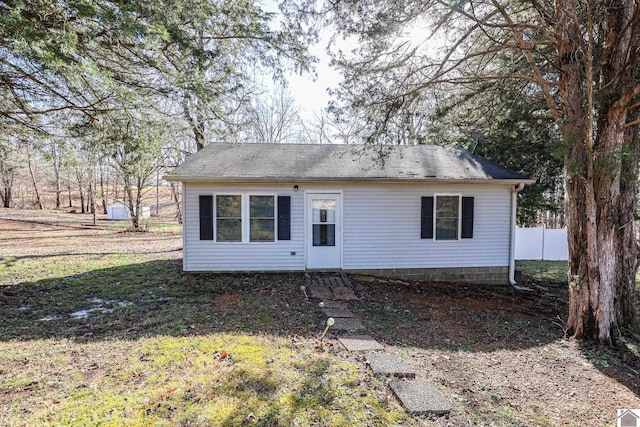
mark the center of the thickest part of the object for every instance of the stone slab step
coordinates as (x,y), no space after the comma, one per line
(419,397)
(343,293)
(347,324)
(331,303)
(338,312)
(360,343)
(389,364)
(320,292)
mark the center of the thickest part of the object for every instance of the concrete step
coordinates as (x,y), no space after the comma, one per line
(389,364)
(357,343)
(419,397)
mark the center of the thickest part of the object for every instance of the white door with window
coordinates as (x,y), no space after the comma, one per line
(324,230)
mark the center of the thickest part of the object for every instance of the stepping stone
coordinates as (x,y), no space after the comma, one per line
(345,279)
(389,364)
(347,324)
(320,292)
(335,304)
(343,293)
(419,397)
(338,312)
(360,343)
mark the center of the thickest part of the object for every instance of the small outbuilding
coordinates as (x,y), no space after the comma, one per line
(413,212)
(118,211)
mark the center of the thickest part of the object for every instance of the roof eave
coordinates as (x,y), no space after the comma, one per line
(385,180)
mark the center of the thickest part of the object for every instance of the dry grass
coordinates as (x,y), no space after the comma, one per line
(101,326)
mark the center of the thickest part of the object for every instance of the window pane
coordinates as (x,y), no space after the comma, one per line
(323,210)
(228,218)
(324,235)
(261,206)
(229,230)
(447,206)
(447,212)
(446,229)
(228,206)
(262,218)
(262,230)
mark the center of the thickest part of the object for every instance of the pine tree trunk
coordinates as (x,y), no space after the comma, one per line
(56,172)
(6,200)
(81,190)
(102,192)
(69,188)
(176,199)
(601,168)
(38,201)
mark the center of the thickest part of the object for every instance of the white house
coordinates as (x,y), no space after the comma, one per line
(414,212)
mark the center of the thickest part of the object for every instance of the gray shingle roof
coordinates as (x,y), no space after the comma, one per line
(316,162)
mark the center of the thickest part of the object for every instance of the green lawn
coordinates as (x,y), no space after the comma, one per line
(544,270)
(160,347)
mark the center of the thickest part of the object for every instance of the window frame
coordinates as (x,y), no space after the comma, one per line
(245,218)
(435,217)
(215,217)
(274,217)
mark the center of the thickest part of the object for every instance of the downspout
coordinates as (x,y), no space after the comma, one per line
(512,246)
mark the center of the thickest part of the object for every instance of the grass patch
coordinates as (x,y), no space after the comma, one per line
(184,381)
(555,271)
(131,340)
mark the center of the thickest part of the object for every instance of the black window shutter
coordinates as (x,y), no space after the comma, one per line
(284,217)
(206,217)
(467,218)
(426,218)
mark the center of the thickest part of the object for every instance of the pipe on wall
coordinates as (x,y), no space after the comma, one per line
(512,246)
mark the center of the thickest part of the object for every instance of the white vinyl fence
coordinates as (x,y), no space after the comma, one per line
(542,243)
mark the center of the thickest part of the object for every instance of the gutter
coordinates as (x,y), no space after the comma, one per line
(333,180)
(512,244)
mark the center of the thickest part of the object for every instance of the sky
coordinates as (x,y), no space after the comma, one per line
(311,93)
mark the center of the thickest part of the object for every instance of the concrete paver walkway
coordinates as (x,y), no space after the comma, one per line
(416,396)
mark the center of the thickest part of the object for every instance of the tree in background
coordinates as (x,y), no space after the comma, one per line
(273,119)
(192,65)
(581,58)
(513,130)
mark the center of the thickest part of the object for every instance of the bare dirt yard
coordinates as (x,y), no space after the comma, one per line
(100,326)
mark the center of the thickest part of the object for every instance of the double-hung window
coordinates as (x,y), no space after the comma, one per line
(447,217)
(229,218)
(245,218)
(262,218)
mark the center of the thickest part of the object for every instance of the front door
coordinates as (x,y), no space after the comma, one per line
(324,230)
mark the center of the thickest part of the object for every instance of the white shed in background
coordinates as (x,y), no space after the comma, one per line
(118,211)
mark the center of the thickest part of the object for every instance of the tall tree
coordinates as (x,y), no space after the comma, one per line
(273,118)
(193,59)
(513,130)
(589,81)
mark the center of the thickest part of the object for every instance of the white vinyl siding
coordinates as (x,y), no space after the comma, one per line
(203,255)
(380,229)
